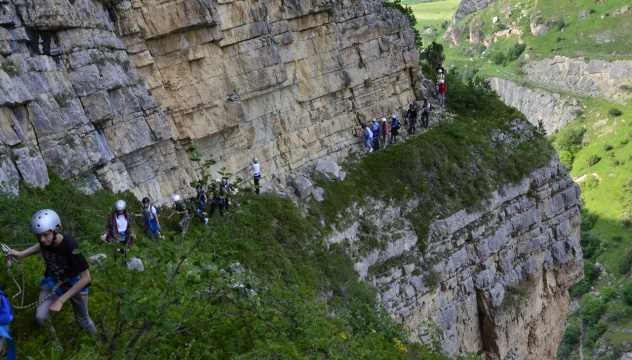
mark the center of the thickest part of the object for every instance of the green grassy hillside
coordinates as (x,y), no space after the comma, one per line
(596,147)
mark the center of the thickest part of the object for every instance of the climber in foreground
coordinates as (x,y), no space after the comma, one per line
(63,266)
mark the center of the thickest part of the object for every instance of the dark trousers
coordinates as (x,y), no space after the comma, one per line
(226,203)
(257,178)
(425,116)
(215,203)
(411,127)
(376,142)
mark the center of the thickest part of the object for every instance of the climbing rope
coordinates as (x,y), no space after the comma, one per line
(12,259)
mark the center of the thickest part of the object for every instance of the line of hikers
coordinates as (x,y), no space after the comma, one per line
(375,130)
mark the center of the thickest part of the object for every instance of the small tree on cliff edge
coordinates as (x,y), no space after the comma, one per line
(433,54)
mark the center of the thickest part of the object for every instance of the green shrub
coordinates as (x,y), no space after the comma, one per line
(570,139)
(589,243)
(10,67)
(514,52)
(626,293)
(609,293)
(615,112)
(498,58)
(572,333)
(588,219)
(432,279)
(433,54)
(592,160)
(607,147)
(368,83)
(593,333)
(589,183)
(626,263)
(566,158)
(591,310)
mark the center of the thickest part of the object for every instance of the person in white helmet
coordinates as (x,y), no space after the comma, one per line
(385,129)
(119,227)
(180,208)
(62,265)
(255,167)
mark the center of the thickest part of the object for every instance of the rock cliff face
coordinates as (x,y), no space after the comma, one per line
(554,110)
(494,279)
(594,78)
(113,95)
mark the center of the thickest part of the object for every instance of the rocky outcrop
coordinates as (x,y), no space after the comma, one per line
(594,78)
(113,97)
(552,109)
(469,6)
(494,279)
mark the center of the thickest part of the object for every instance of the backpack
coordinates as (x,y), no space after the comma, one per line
(157,210)
(6,314)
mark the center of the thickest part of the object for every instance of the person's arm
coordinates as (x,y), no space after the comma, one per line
(170,215)
(24,253)
(84,280)
(156,217)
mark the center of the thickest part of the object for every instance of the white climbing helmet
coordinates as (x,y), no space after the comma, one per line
(120,205)
(43,221)
(383,119)
(255,160)
(394,117)
(175,198)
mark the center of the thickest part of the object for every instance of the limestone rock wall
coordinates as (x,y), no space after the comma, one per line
(494,279)
(113,95)
(594,78)
(554,110)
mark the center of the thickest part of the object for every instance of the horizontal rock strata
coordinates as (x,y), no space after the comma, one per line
(495,280)
(114,97)
(552,109)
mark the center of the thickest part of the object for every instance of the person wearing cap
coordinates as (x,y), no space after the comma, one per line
(385,129)
(255,167)
(200,201)
(150,213)
(65,265)
(376,128)
(180,208)
(394,129)
(119,227)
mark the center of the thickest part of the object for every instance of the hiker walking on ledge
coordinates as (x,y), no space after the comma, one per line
(255,167)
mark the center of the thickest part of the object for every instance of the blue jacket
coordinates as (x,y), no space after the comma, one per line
(376,130)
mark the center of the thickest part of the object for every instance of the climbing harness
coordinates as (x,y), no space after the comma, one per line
(12,259)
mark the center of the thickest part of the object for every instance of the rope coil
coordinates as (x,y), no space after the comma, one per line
(12,259)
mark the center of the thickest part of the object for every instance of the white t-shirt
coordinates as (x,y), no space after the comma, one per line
(121,223)
(256,168)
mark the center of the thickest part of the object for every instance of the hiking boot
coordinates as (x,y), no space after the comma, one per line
(370,151)
(205,221)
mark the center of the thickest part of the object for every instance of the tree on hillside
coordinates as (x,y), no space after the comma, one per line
(433,54)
